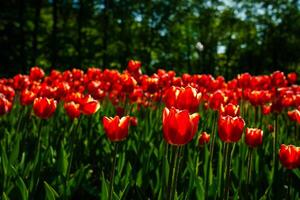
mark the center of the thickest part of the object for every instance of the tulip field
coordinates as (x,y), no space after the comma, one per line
(107,134)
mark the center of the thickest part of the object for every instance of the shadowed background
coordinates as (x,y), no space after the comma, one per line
(238,36)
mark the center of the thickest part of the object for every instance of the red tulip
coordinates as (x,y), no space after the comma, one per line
(292,77)
(294,115)
(36,74)
(270,128)
(72,109)
(204,138)
(89,106)
(188,98)
(134,65)
(230,129)
(27,97)
(259,97)
(44,107)
(133,121)
(266,109)
(5,105)
(216,99)
(179,127)
(230,109)
(253,137)
(115,128)
(278,79)
(244,80)
(289,156)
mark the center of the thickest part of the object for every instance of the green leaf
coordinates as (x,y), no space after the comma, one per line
(51,194)
(15,151)
(104,190)
(4,196)
(22,187)
(62,162)
(4,161)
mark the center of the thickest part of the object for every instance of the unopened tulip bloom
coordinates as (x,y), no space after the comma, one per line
(204,138)
(44,107)
(179,127)
(116,129)
(253,137)
(230,129)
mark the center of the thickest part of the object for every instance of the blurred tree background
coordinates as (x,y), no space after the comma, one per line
(237,35)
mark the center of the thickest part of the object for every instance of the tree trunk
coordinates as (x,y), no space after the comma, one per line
(79,41)
(36,30)
(22,37)
(54,35)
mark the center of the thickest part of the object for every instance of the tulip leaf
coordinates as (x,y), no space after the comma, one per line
(15,151)
(51,194)
(22,187)
(4,196)
(62,162)
(104,188)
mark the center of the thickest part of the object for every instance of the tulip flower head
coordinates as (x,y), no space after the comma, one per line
(230,109)
(179,127)
(72,109)
(27,97)
(230,129)
(203,139)
(5,105)
(289,156)
(253,137)
(116,129)
(294,115)
(182,98)
(43,107)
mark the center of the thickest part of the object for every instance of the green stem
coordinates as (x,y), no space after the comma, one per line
(225,154)
(249,170)
(111,187)
(38,163)
(228,165)
(289,176)
(175,173)
(73,146)
(211,151)
(275,161)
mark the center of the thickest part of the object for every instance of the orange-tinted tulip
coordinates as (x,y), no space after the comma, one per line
(179,127)
(204,138)
(230,109)
(253,137)
(230,129)
(289,156)
(44,107)
(72,109)
(115,128)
